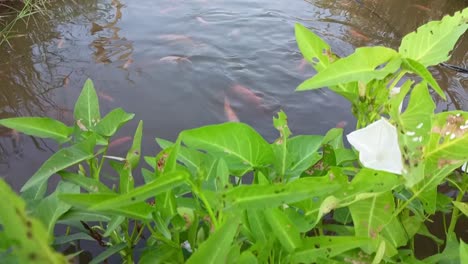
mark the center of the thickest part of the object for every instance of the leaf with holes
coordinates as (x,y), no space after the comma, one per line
(431,43)
(31,239)
(327,247)
(414,126)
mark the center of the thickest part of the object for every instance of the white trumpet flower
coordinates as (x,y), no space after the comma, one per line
(378,146)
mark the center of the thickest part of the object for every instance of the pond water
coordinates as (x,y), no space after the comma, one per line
(176,64)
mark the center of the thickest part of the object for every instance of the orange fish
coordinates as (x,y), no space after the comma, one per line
(341,124)
(119,141)
(127,63)
(66,80)
(201,20)
(174,37)
(175,59)
(105,96)
(247,94)
(421,7)
(302,65)
(358,35)
(61,43)
(234,33)
(168,10)
(229,112)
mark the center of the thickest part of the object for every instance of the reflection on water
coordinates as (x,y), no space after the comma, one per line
(179,64)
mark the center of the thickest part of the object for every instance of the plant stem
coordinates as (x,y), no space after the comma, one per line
(455,214)
(202,197)
(397,79)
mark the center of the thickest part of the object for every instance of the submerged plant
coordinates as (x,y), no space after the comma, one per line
(223,194)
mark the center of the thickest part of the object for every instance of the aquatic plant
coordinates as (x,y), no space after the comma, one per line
(223,194)
(26,10)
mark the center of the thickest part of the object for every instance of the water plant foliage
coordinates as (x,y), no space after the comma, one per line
(223,194)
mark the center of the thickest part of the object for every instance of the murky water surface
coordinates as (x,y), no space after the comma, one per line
(176,64)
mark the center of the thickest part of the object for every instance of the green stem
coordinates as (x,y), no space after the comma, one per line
(202,197)
(397,79)
(455,214)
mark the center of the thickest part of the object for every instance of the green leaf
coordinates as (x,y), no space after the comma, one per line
(258,225)
(279,147)
(89,184)
(268,196)
(373,218)
(312,47)
(327,247)
(463,251)
(76,215)
(463,207)
(166,182)
(431,43)
(191,158)
(217,176)
(69,238)
(303,153)
(108,252)
(42,127)
(61,160)
(216,248)
(419,69)
(51,208)
(112,122)
(450,255)
(318,53)
(414,130)
(137,210)
(360,66)
(133,155)
(31,240)
(284,230)
(161,254)
(247,258)
(113,224)
(87,107)
(238,144)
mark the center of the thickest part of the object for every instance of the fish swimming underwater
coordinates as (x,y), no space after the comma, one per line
(229,112)
(247,94)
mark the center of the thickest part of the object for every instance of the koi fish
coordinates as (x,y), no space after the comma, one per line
(302,65)
(127,63)
(175,59)
(247,94)
(119,141)
(229,112)
(341,124)
(60,43)
(66,80)
(358,35)
(105,96)
(421,7)
(174,37)
(168,10)
(234,33)
(201,20)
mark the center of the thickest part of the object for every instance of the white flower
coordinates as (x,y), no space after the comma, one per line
(378,146)
(464,167)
